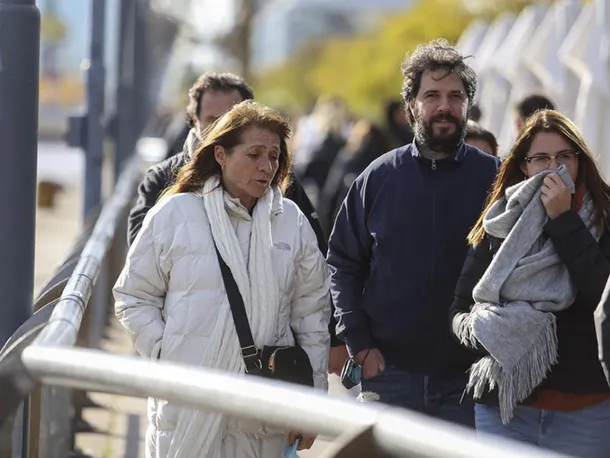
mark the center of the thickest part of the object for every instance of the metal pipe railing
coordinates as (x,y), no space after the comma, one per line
(51,360)
(52,416)
(397,432)
(64,324)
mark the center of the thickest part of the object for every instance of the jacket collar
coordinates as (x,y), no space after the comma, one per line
(459,156)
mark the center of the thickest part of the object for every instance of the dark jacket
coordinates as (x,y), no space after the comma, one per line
(350,163)
(175,136)
(322,160)
(397,250)
(578,369)
(163,174)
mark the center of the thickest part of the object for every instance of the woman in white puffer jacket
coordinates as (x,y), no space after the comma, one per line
(171,297)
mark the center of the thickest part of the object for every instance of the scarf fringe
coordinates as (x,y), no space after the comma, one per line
(515,385)
(463,330)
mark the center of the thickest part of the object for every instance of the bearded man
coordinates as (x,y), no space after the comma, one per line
(399,243)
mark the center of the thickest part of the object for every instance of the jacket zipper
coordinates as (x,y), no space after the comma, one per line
(433,168)
(433,236)
(433,270)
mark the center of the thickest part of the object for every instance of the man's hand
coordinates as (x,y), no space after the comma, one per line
(306,442)
(336,360)
(556,196)
(372,362)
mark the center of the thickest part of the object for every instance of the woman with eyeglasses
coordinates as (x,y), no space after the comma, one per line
(538,263)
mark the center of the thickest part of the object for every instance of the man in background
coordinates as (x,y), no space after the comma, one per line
(530,105)
(212,95)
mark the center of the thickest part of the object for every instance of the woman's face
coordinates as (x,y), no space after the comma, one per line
(249,168)
(548,151)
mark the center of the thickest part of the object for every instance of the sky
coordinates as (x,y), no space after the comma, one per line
(76,16)
(210,18)
(215,15)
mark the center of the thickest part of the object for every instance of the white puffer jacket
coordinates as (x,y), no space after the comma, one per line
(170,292)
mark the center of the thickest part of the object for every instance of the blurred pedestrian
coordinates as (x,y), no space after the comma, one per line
(398,130)
(481,138)
(529,105)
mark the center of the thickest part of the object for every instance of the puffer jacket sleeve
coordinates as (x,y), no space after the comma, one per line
(310,309)
(139,292)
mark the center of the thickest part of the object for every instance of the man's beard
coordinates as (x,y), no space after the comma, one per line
(441,142)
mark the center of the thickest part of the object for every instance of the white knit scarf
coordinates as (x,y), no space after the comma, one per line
(198,433)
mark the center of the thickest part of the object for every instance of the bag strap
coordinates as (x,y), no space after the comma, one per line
(249,352)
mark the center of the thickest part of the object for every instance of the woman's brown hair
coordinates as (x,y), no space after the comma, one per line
(227,132)
(511,173)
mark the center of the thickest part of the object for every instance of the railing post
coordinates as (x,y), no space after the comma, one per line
(94,161)
(142,111)
(19,81)
(125,102)
(19,48)
(96,83)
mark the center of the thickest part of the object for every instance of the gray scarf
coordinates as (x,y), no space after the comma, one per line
(524,282)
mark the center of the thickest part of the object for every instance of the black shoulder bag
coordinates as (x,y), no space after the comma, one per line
(286,363)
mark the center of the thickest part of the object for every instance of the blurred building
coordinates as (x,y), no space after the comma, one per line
(282,27)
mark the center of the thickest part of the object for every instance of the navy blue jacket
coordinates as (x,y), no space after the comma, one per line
(396,252)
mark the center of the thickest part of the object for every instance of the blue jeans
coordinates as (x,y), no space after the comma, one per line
(580,433)
(438,397)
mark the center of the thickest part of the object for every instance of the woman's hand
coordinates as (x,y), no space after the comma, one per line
(305,443)
(556,196)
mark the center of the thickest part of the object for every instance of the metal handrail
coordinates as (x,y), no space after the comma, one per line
(65,321)
(397,432)
(51,360)
(50,419)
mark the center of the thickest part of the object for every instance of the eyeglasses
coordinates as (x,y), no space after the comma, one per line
(544,160)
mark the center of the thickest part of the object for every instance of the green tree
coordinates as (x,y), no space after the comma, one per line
(365,70)
(52,29)
(286,86)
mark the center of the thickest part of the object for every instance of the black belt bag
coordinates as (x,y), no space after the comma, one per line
(286,363)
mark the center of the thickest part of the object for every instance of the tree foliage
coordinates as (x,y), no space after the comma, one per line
(52,29)
(365,69)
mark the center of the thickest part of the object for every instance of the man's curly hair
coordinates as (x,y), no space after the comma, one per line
(432,56)
(212,81)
